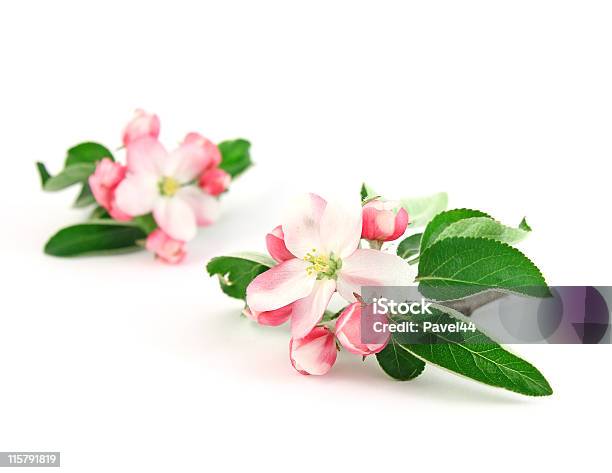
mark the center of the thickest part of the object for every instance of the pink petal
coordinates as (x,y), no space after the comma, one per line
(186,163)
(165,248)
(175,217)
(205,207)
(341,228)
(270,317)
(307,312)
(280,286)
(354,329)
(383,220)
(210,149)
(142,124)
(315,353)
(136,195)
(301,224)
(275,242)
(146,156)
(372,268)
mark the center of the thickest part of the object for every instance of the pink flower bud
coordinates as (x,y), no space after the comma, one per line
(142,124)
(211,151)
(271,317)
(103,183)
(383,220)
(315,353)
(215,181)
(275,241)
(165,248)
(352,331)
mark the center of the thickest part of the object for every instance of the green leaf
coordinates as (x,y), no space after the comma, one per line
(99,213)
(439,223)
(87,152)
(409,246)
(85,197)
(474,355)
(146,223)
(422,209)
(524,225)
(43,173)
(69,176)
(483,227)
(95,237)
(235,156)
(235,272)
(454,268)
(367,192)
(398,362)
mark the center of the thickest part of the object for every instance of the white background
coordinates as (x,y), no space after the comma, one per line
(125,364)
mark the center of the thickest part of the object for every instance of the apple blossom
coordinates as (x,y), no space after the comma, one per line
(272,317)
(383,220)
(208,148)
(324,238)
(164,183)
(214,181)
(165,248)
(314,353)
(142,124)
(350,334)
(103,184)
(275,241)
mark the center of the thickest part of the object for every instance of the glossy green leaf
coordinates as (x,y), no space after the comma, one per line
(454,268)
(473,354)
(69,176)
(85,197)
(235,272)
(409,246)
(398,362)
(42,173)
(483,227)
(95,237)
(441,221)
(87,152)
(235,156)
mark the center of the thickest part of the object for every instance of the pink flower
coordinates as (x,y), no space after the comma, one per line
(315,353)
(208,148)
(383,220)
(103,183)
(164,183)
(165,248)
(215,181)
(275,241)
(272,317)
(324,238)
(350,335)
(142,124)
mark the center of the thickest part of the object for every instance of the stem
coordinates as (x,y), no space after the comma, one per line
(375,244)
(468,305)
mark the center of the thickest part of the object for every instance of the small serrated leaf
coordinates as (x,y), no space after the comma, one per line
(236,272)
(409,246)
(398,362)
(443,220)
(458,267)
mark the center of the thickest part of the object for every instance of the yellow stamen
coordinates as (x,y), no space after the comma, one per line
(169,186)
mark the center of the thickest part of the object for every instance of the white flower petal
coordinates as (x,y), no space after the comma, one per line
(372,268)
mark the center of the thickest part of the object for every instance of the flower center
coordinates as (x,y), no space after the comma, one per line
(323,266)
(169,186)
